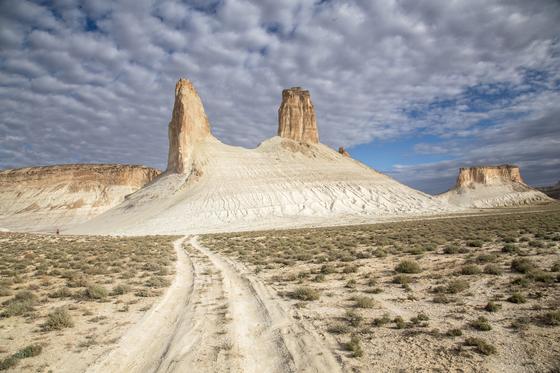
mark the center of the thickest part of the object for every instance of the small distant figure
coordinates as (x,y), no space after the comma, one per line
(57,231)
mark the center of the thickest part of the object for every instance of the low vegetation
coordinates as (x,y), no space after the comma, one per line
(57,289)
(443,287)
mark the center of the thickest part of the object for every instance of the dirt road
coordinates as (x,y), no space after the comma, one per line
(217,317)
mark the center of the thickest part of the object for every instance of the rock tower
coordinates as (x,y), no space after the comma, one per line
(189,125)
(296,116)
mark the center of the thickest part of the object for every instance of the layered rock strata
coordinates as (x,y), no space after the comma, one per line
(188,127)
(296,116)
(491,187)
(50,197)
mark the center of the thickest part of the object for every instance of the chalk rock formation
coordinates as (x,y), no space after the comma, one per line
(188,127)
(488,175)
(288,181)
(342,151)
(50,197)
(296,116)
(492,186)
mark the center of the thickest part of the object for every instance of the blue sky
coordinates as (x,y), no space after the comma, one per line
(415,89)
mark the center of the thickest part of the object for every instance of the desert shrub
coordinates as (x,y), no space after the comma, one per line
(363,302)
(454,332)
(353,318)
(94,291)
(354,346)
(58,319)
(349,269)
(327,269)
(475,243)
(517,298)
(121,289)
(492,307)
(470,269)
(457,286)
(157,282)
(380,253)
(509,249)
(481,345)
(319,278)
(402,279)
(4,291)
(555,267)
(408,266)
(541,276)
(26,352)
(380,321)
(492,269)
(451,250)
(62,292)
(23,302)
(338,328)
(481,324)
(305,293)
(399,322)
(522,265)
(418,319)
(486,258)
(551,318)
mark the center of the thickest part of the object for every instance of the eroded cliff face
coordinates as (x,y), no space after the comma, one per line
(39,198)
(492,187)
(296,116)
(489,175)
(189,125)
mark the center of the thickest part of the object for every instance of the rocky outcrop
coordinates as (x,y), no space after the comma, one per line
(296,116)
(342,151)
(491,187)
(189,126)
(489,175)
(41,198)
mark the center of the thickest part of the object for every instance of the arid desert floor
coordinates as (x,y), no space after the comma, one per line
(464,294)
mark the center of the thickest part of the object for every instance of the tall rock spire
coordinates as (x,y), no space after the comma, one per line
(189,125)
(296,116)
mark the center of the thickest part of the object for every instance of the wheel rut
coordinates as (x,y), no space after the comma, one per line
(217,317)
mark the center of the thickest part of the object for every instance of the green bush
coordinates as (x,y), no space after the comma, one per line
(58,319)
(481,324)
(95,292)
(492,269)
(408,266)
(354,346)
(517,298)
(305,293)
(522,265)
(481,345)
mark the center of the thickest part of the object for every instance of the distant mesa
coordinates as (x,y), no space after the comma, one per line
(50,197)
(342,151)
(488,175)
(296,116)
(552,191)
(492,186)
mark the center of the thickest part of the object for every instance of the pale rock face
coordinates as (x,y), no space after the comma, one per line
(296,116)
(343,151)
(188,127)
(489,175)
(50,197)
(491,187)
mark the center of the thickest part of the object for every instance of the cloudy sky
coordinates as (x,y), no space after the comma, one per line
(413,88)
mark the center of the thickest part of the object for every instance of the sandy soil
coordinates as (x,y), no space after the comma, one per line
(217,317)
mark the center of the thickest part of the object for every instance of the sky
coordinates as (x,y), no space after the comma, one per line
(415,89)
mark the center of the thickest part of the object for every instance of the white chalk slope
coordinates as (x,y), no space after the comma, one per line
(282,183)
(493,196)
